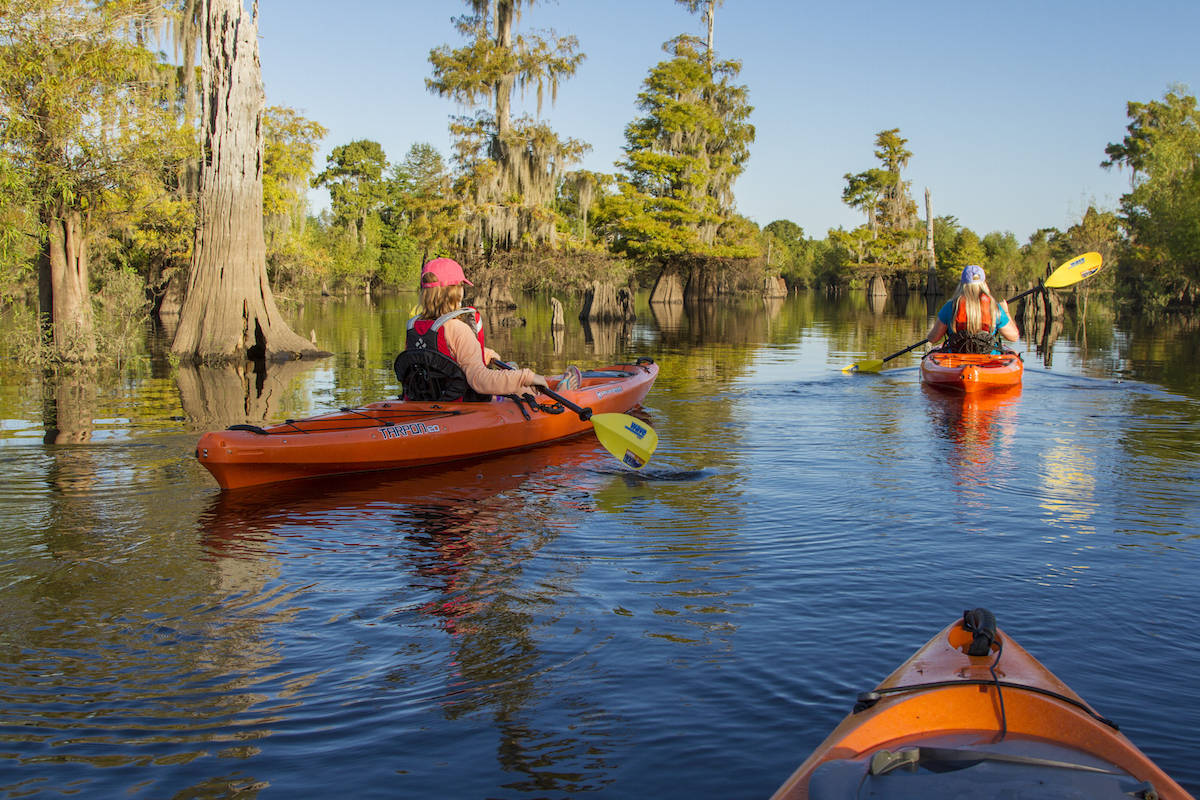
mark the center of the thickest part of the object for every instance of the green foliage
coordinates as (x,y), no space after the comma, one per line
(1162,211)
(509,169)
(681,161)
(122,311)
(289,145)
(788,253)
(1099,232)
(21,341)
(18,233)
(87,128)
(1002,259)
(421,208)
(1006,262)
(294,257)
(945,231)
(85,107)
(579,193)
(890,239)
(354,178)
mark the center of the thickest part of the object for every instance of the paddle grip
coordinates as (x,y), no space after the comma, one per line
(585,414)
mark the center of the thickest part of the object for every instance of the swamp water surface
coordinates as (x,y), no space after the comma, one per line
(548,624)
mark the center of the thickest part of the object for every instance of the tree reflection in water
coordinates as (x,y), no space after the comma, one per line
(252,392)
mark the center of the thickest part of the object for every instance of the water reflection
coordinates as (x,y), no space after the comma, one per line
(979,427)
(69,408)
(544,624)
(668,317)
(252,392)
(459,540)
(606,338)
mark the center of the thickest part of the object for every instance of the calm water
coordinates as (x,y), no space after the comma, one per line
(549,625)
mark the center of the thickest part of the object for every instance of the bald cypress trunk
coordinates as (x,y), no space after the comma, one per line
(63,292)
(229,313)
(931,281)
(504,87)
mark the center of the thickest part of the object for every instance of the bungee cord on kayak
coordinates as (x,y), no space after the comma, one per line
(915,737)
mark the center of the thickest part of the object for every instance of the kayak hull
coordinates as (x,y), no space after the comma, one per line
(398,434)
(1042,718)
(969,372)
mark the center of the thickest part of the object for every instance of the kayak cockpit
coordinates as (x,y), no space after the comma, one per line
(961,766)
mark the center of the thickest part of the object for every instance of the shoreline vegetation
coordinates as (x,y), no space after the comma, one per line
(116,204)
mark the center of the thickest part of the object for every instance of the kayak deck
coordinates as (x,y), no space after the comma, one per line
(970,372)
(940,726)
(398,434)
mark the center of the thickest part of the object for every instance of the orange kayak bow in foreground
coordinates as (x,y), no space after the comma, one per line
(948,723)
(968,372)
(396,434)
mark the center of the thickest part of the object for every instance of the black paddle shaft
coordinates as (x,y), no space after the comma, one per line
(585,414)
(1040,287)
(905,350)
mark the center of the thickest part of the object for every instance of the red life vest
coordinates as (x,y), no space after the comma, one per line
(427,370)
(422,332)
(985,315)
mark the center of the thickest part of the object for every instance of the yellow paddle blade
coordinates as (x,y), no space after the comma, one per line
(628,438)
(1075,270)
(870,365)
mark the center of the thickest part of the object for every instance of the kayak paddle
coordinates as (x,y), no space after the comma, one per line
(630,440)
(1069,273)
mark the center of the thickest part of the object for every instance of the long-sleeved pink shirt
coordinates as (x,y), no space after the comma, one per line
(464,346)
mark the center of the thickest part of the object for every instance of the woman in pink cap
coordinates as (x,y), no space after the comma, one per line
(456,331)
(973,317)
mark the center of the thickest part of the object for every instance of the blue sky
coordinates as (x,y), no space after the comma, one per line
(1007,107)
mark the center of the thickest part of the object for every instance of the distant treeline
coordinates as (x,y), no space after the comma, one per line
(99,152)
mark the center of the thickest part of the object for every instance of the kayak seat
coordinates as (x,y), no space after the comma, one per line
(975,343)
(431,377)
(974,777)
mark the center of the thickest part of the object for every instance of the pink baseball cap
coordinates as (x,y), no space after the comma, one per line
(448,272)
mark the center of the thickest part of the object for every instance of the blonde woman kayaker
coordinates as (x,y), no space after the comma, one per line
(446,326)
(973,317)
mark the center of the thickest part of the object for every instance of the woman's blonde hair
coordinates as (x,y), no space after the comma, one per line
(439,300)
(970,294)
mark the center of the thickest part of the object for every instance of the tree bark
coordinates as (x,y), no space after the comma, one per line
(229,313)
(603,302)
(667,289)
(774,286)
(503,90)
(929,251)
(710,14)
(63,292)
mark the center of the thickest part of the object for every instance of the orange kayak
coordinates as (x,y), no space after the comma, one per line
(396,434)
(969,372)
(950,724)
